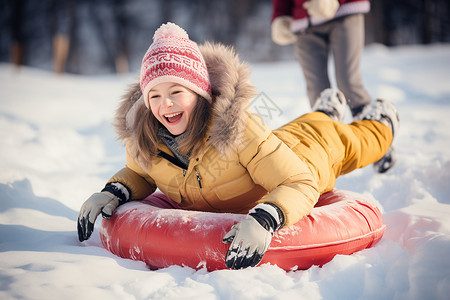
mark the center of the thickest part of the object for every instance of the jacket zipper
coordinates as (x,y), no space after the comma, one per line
(198,177)
(177,162)
(197,173)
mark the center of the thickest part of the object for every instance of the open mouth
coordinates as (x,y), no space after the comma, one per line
(172,118)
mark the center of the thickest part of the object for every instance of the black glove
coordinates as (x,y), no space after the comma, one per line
(251,237)
(105,202)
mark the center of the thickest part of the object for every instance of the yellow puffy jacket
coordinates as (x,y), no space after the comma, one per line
(243,162)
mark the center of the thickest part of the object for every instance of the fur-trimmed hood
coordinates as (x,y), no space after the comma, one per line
(231,89)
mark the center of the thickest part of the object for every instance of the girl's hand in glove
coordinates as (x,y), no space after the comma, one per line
(249,241)
(251,237)
(104,202)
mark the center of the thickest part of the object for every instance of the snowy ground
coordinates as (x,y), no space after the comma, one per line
(57,147)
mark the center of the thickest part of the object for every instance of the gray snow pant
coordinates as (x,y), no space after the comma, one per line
(344,38)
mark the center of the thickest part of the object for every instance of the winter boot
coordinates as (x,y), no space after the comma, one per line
(331,102)
(384,112)
(386,162)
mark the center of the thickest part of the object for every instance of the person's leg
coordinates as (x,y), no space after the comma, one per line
(365,143)
(347,45)
(332,148)
(312,51)
(385,112)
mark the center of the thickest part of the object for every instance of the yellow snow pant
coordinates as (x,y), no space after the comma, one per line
(332,148)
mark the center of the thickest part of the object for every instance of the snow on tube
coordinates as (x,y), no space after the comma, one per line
(342,222)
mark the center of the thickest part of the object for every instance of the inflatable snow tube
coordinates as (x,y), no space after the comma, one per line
(342,222)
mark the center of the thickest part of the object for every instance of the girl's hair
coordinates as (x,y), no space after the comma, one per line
(147,131)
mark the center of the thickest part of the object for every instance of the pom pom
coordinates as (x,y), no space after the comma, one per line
(170,29)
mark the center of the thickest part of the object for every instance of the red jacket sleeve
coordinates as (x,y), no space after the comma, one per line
(282,8)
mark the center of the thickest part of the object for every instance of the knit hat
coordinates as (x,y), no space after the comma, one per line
(173,57)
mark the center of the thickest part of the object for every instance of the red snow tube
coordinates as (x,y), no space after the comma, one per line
(342,222)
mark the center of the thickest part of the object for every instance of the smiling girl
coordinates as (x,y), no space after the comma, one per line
(189,132)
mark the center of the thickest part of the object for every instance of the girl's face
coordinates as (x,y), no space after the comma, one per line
(172,104)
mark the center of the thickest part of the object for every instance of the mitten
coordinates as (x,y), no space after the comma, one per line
(251,237)
(322,9)
(281,31)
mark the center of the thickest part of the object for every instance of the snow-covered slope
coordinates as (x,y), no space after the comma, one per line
(57,146)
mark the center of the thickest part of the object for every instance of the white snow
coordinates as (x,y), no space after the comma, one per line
(57,147)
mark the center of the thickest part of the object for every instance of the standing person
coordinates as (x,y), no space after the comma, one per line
(318,28)
(189,132)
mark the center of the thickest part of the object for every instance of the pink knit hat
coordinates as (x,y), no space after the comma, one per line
(173,57)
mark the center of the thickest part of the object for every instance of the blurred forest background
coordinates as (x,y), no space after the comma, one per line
(111,36)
